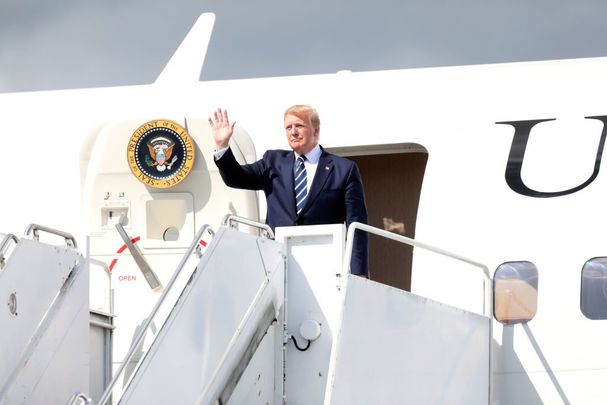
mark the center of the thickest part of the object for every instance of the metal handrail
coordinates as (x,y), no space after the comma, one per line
(412,242)
(150,275)
(70,241)
(229,218)
(108,273)
(139,338)
(79,396)
(4,246)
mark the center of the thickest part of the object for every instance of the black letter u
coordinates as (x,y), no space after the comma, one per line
(522,129)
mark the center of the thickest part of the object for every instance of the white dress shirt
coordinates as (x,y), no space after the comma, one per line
(311,163)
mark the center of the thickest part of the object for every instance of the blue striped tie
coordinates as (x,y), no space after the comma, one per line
(301,184)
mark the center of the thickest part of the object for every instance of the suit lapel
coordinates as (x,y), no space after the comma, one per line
(323,170)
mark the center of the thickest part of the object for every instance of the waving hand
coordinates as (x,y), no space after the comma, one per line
(221,127)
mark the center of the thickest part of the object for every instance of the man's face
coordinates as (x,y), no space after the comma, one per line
(301,135)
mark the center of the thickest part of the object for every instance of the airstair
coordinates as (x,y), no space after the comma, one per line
(258,320)
(229,306)
(44,320)
(264,321)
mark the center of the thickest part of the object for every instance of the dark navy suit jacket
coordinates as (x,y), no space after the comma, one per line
(336,195)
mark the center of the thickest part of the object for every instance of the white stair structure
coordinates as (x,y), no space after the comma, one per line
(264,321)
(44,322)
(216,325)
(379,345)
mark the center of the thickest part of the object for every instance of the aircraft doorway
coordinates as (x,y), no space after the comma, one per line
(392,177)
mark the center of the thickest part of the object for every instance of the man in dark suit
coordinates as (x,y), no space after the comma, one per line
(303,186)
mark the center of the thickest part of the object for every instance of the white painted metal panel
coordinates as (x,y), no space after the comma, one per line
(44,344)
(258,384)
(59,367)
(314,292)
(398,348)
(212,325)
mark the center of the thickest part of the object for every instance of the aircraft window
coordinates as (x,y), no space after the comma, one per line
(593,300)
(515,292)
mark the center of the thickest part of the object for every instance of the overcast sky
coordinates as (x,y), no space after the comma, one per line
(56,44)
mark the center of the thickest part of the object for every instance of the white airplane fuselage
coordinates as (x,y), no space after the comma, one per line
(466,205)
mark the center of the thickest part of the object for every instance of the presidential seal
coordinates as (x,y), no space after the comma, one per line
(160,153)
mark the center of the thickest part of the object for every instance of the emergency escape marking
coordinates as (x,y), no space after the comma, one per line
(160,153)
(123,248)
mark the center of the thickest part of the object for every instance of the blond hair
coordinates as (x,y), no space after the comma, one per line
(304,112)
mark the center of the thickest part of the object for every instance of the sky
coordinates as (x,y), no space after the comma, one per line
(65,44)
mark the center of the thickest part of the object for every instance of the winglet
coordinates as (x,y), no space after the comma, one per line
(186,63)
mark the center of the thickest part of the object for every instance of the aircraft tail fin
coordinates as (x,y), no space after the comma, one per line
(186,63)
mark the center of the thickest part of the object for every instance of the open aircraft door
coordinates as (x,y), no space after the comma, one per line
(156,180)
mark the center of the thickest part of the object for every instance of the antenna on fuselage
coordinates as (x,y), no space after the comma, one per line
(186,63)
